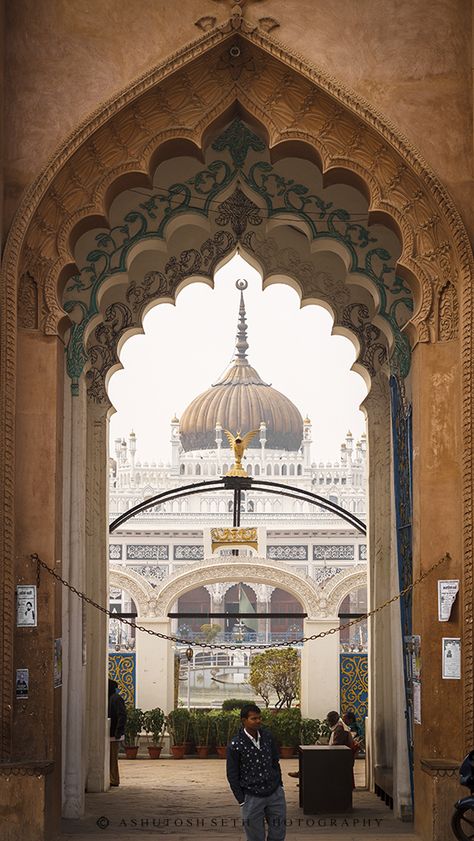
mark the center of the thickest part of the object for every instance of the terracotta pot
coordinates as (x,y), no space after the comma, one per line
(202,751)
(131,751)
(177,751)
(154,751)
(221,751)
(287,751)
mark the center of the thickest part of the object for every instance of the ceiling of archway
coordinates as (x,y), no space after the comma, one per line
(195,216)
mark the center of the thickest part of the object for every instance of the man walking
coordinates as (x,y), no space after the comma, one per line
(254,775)
(118,720)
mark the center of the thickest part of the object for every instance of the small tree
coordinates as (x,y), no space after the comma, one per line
(276,670)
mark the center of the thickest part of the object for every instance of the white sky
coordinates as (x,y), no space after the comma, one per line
(186,347)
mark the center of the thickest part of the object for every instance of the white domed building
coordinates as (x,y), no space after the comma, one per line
(164,541)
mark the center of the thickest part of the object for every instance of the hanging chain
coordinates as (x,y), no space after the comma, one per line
(232,647)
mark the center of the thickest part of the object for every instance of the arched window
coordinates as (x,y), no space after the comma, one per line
(269,470)
(284,470)
(257,470)
(198,470)
(251,506)
(230,505)
(182,469)
(299,470)
(249,469)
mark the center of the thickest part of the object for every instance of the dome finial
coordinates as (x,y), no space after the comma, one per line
(241,344)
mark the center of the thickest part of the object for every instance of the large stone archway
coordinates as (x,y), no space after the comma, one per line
(50,433)
(319,658)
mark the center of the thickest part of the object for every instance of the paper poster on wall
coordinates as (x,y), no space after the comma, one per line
(451,649)
(26,606)
(417,701)
(447,592)
(416,657)
(58,663)
(22,684)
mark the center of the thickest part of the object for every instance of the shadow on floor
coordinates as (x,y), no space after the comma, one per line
(189,800)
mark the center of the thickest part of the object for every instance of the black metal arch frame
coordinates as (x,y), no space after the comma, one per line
(238,484)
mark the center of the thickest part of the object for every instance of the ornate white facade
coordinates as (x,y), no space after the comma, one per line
(317,545)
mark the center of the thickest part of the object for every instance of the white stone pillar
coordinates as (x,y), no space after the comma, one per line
(155,665)
(74,694)
(320,669)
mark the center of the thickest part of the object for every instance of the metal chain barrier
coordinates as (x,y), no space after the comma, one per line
(250,646)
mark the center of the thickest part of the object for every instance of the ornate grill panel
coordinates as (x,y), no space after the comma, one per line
(336,552)
(297,552)
(188,553)
(321,574)
(152,572)
(147,552)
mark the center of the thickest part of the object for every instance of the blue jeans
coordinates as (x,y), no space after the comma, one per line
(257,811)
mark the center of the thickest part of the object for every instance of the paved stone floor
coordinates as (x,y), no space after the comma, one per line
(189,800)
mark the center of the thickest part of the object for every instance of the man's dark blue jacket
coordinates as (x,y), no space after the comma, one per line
(252,770)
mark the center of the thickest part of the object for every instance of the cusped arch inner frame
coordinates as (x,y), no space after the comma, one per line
(237,212)
(297,102)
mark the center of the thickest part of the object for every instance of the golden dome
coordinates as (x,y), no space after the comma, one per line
(240,401)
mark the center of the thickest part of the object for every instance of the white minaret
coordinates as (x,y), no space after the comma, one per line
(175,445)
(218,440)
(132,448)
(349,447)
(263,439)
(307,441)
(343,455)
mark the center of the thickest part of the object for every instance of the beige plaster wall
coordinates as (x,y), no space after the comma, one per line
(411,60)
(437,469)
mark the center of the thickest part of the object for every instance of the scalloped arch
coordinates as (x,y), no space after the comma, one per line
(255,570)
(294,101)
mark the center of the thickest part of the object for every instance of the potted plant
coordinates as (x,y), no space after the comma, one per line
(225,724)
(310,731)
(178,726)
(153,721)
(287,727)
(133,728)
(201,726)
(219,722)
